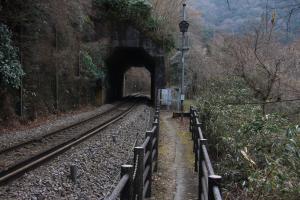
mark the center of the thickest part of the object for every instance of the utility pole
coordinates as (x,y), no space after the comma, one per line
(183,25)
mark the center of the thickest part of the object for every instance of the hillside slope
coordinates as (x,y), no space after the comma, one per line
(242,13)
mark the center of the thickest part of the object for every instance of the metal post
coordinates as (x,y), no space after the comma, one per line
(182,62)
(182,79)
(127,192)
(138,181)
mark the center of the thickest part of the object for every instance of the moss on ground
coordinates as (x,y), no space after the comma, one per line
(185,138)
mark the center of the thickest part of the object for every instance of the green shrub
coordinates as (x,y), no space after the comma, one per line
(138,14)
(91,66)
(131,11)
(259,155)
(10,68)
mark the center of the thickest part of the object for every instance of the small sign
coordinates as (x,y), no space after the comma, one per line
(166,97)
(182,97)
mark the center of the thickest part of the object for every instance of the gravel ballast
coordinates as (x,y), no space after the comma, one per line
(11,138)
(98,161)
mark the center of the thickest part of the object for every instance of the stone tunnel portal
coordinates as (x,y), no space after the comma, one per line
(123,58)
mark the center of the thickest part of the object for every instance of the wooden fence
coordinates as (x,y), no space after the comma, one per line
(208,181)
(136,179)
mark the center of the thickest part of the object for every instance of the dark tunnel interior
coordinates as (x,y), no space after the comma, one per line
(121,59)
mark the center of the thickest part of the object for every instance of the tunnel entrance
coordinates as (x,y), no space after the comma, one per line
(121,61)
(137,80)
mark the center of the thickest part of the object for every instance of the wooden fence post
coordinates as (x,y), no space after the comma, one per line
(201,160)
(200,170)
(196,146)
(127,192)
(138,181)
(156,116)
(192,125)
(149,148)
(196,150)
(191,118)
(213,181)
(156,134)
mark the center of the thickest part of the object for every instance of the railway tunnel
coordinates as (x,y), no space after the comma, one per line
(122,59)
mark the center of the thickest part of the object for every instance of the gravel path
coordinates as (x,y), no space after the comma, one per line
(98,161)
(12,138)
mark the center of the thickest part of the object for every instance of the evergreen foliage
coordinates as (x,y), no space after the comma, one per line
(11,70)
(139,14)
(134,11)
(259,154)
(91,66)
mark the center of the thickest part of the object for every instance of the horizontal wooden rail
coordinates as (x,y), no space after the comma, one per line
(208,181)
(125,184)
(136,179)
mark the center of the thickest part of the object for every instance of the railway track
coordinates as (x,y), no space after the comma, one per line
(22,144)
(26,156)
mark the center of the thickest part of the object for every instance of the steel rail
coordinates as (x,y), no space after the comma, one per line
(38,139)
(35,161)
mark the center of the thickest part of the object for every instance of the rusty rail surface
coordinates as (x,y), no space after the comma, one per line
(136,179)
(208,181)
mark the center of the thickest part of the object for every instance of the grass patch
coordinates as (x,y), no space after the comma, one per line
(188,103)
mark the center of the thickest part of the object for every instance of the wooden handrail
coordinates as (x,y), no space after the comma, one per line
(209,182)
(136,184)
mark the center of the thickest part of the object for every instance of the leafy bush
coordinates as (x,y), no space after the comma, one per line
(91,67)
(258,156)
(10,67)
(138,14)
(134,11)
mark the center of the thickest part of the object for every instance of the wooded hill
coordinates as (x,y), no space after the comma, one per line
(235,16)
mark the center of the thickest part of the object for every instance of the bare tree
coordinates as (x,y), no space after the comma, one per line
(262,62)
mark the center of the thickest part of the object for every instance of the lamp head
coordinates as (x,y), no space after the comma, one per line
(184,26)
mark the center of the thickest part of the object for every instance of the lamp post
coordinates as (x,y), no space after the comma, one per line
(184,26)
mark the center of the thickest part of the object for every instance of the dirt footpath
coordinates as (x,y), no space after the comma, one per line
(176,179)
